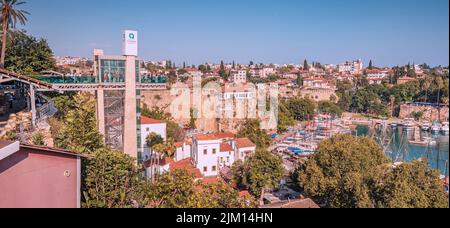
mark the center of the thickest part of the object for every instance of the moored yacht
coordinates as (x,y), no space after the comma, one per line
(408,124)
(444,128)
(435,127)
(426,126)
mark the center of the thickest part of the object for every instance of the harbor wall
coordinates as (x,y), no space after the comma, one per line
(431,113)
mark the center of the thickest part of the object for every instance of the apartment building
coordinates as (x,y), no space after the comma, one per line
(207,154)
(352,67)
(238,76)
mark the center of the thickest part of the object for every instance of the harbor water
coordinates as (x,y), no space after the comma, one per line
(400,149)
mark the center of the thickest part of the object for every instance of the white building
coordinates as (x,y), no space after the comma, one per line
(354,67)
(317,83)
(238,76)
(206,155)
(267,71)
(377,76)
(244,148)
(149,126)
(69,60)
(211,152)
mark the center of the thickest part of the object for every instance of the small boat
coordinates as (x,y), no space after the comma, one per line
(394,125)
(444,128)
(408,124)
(426,126)
(435,127)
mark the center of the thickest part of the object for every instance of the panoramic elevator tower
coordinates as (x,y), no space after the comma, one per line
(117,101)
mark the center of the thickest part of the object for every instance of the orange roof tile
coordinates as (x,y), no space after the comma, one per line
(162,162)
(215,136)
(146,120)
(179,144)
(244,142)
(186,164)
(225,147)
(210,180)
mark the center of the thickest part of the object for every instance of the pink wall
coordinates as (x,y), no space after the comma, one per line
(35,179)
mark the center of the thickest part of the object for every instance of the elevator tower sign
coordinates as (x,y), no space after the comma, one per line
(130,43)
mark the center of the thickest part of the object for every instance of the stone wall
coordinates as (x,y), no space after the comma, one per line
(431,113)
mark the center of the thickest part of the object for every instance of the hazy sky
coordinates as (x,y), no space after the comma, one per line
(390,32)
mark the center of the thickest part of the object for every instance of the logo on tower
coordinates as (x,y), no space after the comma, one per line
(130,43)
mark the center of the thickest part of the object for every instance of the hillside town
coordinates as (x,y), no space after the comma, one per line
(166,134)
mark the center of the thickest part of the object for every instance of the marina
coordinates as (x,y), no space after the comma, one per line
(402,141)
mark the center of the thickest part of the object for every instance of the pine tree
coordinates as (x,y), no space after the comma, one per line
(305,65)
(370,65)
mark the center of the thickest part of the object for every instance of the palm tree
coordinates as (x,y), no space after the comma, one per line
(9,17)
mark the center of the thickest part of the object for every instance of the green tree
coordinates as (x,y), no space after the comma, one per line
(414,185)
(166,149)
(38,139)
(417,115)
(79,132)
(153,139)
(305,65)
(259,172)
(64,103)
(158,113)
(27,55)
(112,181)
(330,108)
(370,65)
(251,129)
(285,118)
(344,172)
(10,15)
(192,121)
(299,80)
(172,190)
(301,109)
(178,189)
(222,72)
(220,195)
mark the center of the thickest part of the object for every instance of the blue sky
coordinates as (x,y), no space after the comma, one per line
(390,32)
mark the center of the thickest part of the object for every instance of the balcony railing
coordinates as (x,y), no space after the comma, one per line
(94,80)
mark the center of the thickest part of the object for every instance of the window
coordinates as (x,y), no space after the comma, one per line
(205,151)
(221,160)
(205,169)
(214,168)
(228,159)
(214,151)
(148,129)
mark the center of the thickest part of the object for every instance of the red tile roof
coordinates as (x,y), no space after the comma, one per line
(179,144)
(244,194)
(244,142)
(225,147)
(224,135)
(162,162)
(210,180)
(186,164)
(146,120)
(215,136)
